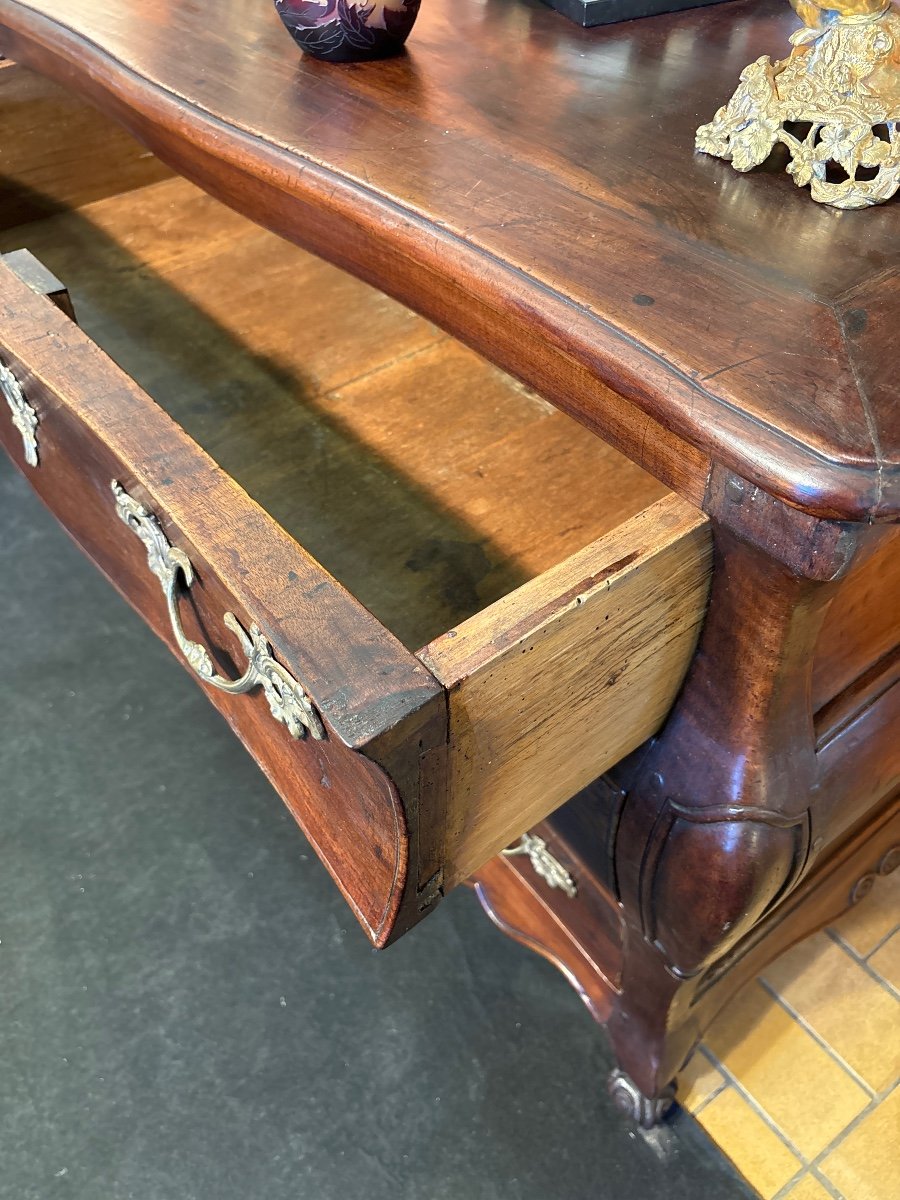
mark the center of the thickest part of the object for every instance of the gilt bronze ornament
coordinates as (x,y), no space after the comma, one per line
(834,103)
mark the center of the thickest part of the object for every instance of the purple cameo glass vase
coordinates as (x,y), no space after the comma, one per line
(346,31)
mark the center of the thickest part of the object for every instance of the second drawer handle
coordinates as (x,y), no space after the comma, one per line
(288,701)
(550,869)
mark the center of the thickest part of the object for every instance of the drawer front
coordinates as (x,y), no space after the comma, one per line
(862,626)
(407,772)
(337,680)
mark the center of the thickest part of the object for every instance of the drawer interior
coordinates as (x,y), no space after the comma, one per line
(424,479)
(60,153)
(550,591)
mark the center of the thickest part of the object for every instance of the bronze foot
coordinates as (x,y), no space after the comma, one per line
(644,1110)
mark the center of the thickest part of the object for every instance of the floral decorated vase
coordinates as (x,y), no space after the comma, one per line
(347,31)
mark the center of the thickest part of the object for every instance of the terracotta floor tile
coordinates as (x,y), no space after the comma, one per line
(846,1007)
(868,922)
(886,961)
(697,1082)
(755,1149)
(808,1188)
(865,1165)
(807,1094)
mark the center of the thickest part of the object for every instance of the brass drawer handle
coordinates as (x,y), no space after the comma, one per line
(24,418)
(287,700)
(550,869)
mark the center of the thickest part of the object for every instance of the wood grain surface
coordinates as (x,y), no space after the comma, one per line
(427,481)
(438,490)
(862,626)
(59,152)
(95,426)
(532,187)
(558,681)
(572,934)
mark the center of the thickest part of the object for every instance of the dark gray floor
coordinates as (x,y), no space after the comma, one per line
(188,1009)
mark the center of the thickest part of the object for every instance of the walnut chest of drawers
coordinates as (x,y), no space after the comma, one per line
(522,489)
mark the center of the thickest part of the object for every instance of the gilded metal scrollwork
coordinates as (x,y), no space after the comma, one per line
(24,418)
(549,868)
(834,103)
(287,700)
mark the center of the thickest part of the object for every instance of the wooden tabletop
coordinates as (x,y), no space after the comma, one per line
(532,187)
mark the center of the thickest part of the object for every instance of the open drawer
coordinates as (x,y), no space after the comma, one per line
(451,606)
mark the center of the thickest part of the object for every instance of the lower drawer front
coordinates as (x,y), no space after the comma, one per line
(862,626)
(406,772)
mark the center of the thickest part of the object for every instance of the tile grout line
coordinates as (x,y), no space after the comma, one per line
(873,974)
(827,1185)
(784,1192)
(810,1165)
(849,1128)
(870,1091)
(887,937)
(757,1108)
(717,1091)
(882,942)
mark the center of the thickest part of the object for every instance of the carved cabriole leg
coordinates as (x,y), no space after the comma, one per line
(718,818)
(694,862)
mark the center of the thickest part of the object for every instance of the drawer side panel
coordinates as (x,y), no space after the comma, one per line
(555,683)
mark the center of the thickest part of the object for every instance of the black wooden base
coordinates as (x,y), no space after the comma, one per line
(606,12)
